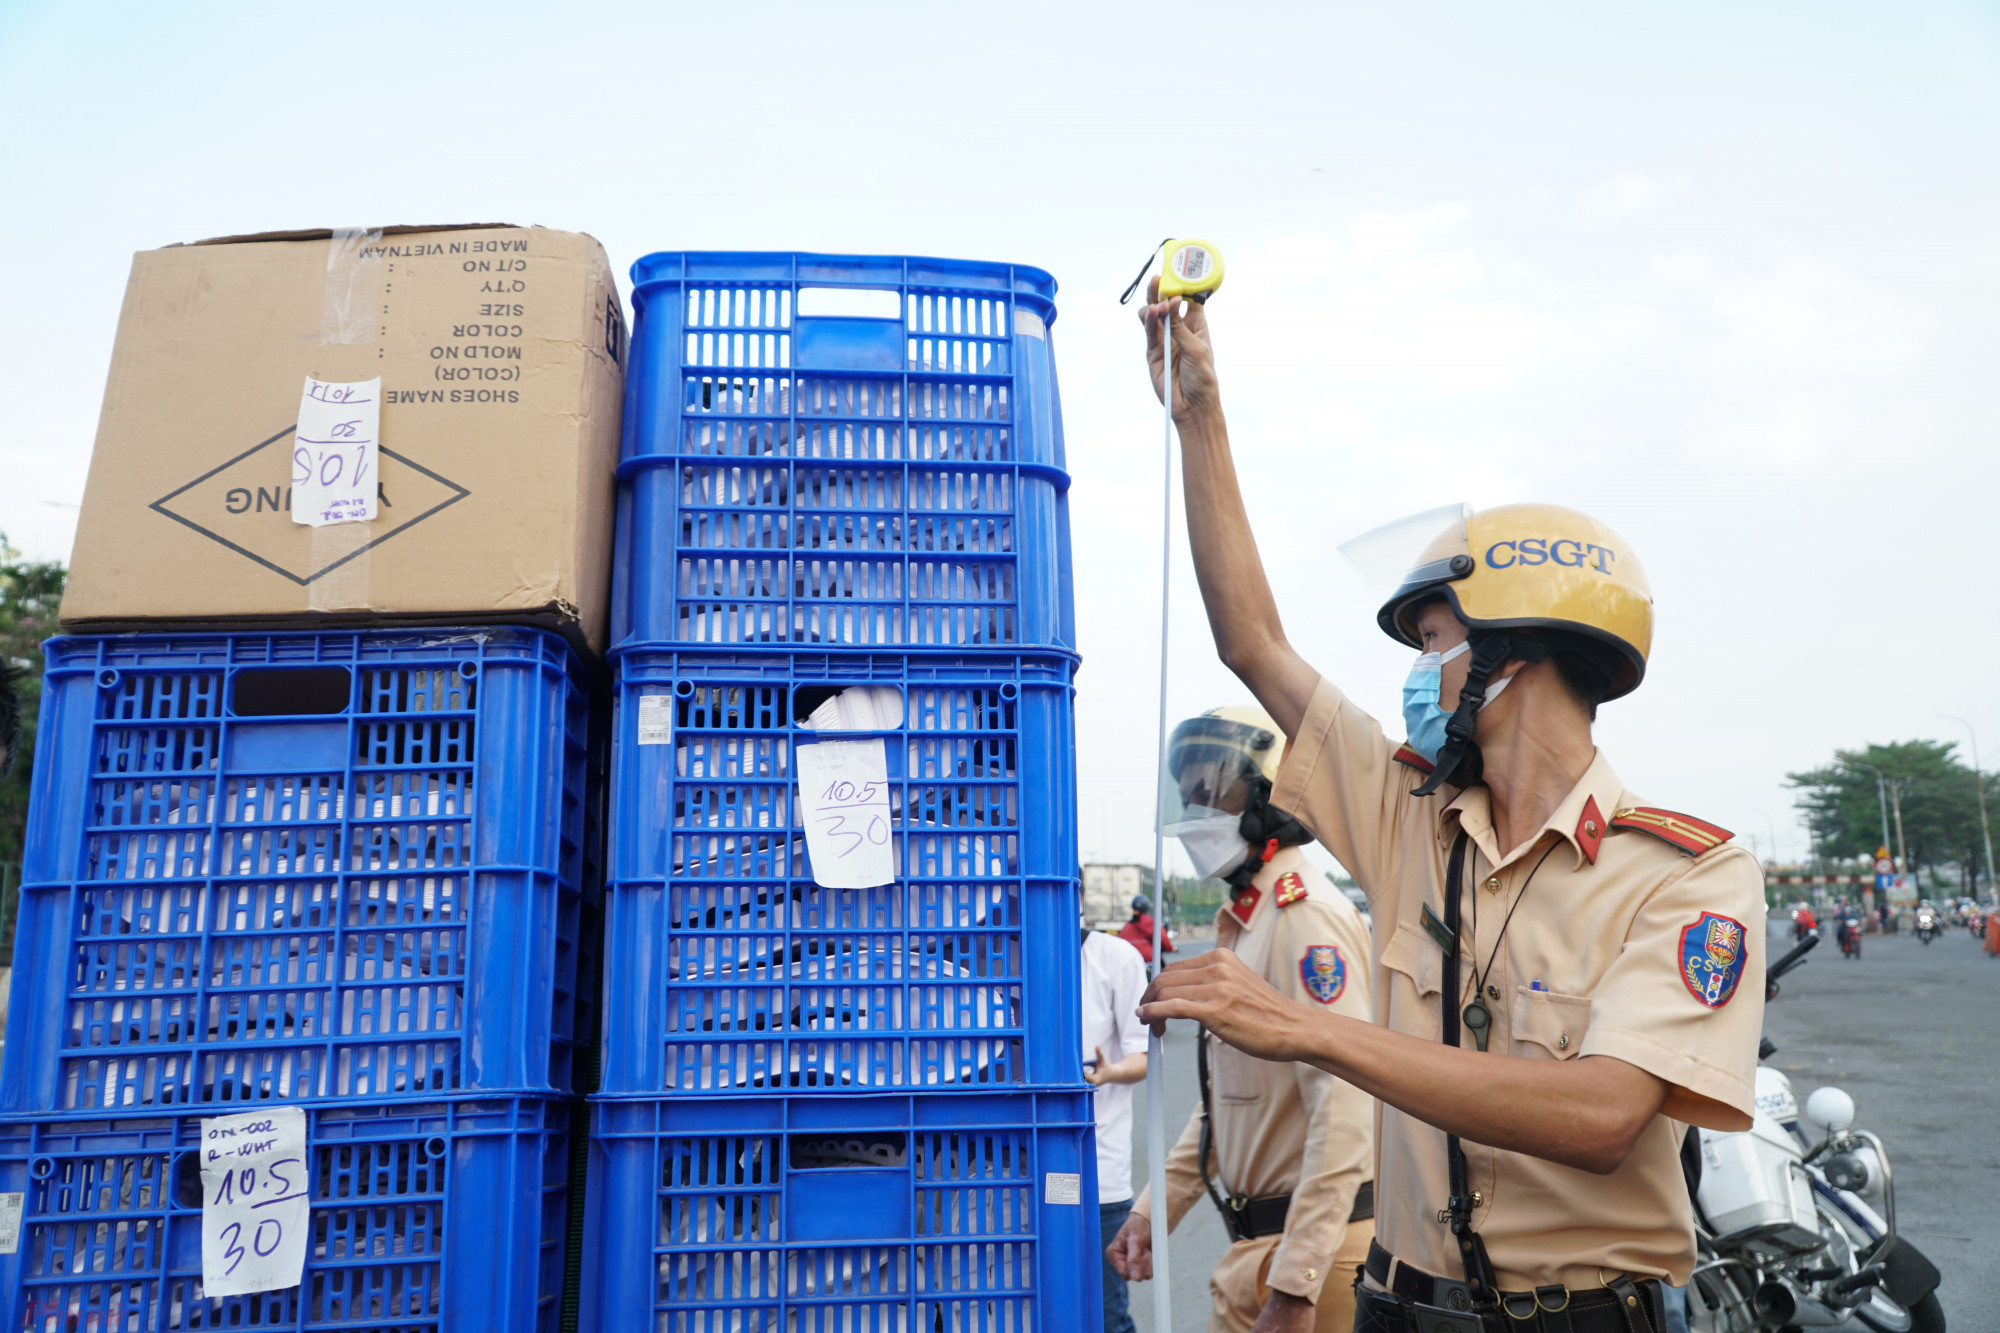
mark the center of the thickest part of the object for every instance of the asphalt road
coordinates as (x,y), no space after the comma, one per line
(1911,1032)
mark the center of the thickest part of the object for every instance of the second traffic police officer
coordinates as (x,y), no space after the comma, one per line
(1567,977)
(1286,1151)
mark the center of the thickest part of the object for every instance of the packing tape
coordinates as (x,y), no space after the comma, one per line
(341,549)
(353,286)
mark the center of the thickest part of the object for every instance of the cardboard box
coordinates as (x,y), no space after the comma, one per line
(500,351)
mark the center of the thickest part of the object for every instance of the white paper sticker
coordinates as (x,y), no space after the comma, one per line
(656,719)
(10,1222)
(1062,1187)
(256,1188)
(844,802)
(333,452)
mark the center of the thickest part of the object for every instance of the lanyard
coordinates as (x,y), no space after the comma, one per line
(1471,1249)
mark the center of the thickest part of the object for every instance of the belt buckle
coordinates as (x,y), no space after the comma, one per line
(1451,1294)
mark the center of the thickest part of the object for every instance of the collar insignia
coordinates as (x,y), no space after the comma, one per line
(1590,829)
(1244,905)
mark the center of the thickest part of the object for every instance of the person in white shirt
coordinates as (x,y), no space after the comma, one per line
(1114,1058)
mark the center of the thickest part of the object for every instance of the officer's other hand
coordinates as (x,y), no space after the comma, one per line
(1194,360)
(1131,1250)
(1219,991)
(1285,1313)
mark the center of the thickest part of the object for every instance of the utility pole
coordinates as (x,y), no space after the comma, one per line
(1902,852)
(1880,798)
(1979,784)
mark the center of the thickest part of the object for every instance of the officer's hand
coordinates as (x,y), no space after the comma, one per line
(1194,361)
(1219,991)
(1131,1250)
(1285,1313)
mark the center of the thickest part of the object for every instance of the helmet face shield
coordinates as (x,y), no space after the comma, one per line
(1214,763)
(1394,554)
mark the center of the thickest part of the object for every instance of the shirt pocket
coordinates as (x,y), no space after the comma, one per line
(1234,1076)
(1416,955)
(1548,1024)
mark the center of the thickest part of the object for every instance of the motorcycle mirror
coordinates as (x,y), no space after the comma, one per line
(1831,1109)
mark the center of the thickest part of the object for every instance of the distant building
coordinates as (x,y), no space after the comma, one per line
(1108,891)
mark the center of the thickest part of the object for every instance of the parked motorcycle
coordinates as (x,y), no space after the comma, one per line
(1850,936)
(1795,1218)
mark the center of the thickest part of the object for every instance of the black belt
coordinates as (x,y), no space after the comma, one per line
(1248,1219)
(1418,1302)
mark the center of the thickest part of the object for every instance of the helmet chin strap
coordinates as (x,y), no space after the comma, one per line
(1266,828)
(1459,762)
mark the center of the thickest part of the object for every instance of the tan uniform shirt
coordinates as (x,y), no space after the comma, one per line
(1283,1128)
(1592,964)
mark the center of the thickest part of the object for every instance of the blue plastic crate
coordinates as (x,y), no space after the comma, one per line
(727,968)
(301,867)
(425,1216)
(783,1214)
(837,450)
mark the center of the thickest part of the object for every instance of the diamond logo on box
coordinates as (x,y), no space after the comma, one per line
(246,505)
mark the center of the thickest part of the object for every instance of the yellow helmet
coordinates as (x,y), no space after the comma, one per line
(1209,756)
(1534,566)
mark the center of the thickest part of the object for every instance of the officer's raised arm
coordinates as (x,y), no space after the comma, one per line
(1242,614)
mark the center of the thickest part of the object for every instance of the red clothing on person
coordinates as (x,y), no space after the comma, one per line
(1138,932)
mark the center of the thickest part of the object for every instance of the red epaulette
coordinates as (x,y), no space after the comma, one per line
(1691,835)
(1291,887)
(1405,755)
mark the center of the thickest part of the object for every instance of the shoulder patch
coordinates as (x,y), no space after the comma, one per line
(1713,951)
(1691,835)
(1324,973)
(1405,755)
(1291,887)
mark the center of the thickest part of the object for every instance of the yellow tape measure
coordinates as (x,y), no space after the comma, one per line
(1191,272)
(1192,269)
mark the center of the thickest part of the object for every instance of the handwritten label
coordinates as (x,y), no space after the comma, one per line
(10,1221)
(1062,1187)
(256,1188)
(844,801)
(334,452)
(656,719)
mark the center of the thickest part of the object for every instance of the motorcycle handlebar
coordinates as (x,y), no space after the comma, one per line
(1791,960)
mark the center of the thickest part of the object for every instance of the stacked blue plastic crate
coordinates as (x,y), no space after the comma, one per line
(841,1108)
(343,870)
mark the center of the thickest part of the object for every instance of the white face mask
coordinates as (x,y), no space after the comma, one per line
(1213,839)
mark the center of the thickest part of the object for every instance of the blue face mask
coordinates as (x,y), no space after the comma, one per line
(1421,713)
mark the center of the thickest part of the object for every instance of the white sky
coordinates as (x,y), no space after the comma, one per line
(1722,275)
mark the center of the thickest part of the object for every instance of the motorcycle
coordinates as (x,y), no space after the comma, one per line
(1928,928)
(1850,936)
(1797,1229)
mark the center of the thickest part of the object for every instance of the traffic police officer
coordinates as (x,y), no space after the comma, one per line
(1286,1151)
(1567,977)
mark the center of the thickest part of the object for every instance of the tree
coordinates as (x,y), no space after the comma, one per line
(29,593)
(1937,794)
